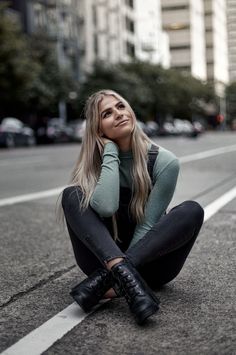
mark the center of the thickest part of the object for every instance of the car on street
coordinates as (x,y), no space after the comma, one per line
(78,129)
(54,131)
(14,133)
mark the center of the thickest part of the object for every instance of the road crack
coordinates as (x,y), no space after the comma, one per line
(41,283)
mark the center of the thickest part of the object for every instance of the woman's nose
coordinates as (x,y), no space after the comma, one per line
(118,113)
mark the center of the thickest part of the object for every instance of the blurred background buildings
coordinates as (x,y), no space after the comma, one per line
(188,35)
(193,37)
(231,25)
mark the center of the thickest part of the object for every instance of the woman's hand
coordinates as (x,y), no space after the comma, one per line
(106,140)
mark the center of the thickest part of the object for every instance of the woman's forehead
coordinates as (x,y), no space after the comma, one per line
(108,101)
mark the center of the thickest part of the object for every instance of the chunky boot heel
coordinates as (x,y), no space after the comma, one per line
(141,300)
(89,292)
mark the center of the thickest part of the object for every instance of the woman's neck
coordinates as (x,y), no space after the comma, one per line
(124,144)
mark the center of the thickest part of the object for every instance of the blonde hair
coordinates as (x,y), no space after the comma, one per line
(88,166)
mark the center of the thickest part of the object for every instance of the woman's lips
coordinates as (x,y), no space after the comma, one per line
(122,122)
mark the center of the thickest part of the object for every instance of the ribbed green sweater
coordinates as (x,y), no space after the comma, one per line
(116,172)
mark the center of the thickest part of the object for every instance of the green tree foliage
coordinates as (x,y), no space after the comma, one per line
(16,69)
(231,101)
(31,81)
(52,83)
(152,91)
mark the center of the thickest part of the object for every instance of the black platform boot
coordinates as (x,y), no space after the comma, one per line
(141,299)
(89,292)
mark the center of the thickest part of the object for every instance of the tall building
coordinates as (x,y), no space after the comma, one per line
(231,14)
(107,31)
(184,22)
(116,31)
(152,43)
(216,44)
(59,20)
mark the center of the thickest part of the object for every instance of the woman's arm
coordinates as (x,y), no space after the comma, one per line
(165,174)
(105,198)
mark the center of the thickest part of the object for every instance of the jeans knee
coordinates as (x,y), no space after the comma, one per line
(71,196)
(194,211)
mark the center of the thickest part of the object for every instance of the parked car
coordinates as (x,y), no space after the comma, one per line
(168,129)
(153,128)
(55,131)
(14,133)
(144,127)
(78,129)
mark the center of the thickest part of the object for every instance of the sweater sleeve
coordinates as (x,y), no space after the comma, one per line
(105,198)
(165,173)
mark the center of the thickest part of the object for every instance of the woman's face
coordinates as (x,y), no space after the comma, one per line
(116,121)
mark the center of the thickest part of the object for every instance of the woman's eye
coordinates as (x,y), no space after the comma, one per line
(106,114)
(121,106)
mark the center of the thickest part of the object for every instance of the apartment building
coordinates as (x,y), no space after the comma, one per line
(231,24)
(107,32)
(184,22)
(152,43)
(59,20)
(217,44)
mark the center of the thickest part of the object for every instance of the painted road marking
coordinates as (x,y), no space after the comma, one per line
(220,202)
(58,190)
(16,162)
(207,154)
(43,337)
(29,197)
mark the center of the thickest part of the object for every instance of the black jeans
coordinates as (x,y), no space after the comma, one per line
(158,256)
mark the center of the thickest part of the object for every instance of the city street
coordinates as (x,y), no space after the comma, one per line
(197,312)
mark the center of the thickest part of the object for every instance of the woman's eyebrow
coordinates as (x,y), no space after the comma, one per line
(109,108)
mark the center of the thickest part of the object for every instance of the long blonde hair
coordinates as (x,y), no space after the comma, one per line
(88,166)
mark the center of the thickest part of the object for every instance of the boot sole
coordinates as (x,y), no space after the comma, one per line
(86,308)
(142,317)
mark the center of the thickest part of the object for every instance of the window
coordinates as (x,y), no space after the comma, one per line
(174,7)
(130,3)
(180,47)
(95,44)
(129,24)
(130,49)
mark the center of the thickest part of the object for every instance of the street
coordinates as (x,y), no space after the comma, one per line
(197,312)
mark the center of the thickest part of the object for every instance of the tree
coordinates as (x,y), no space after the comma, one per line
(152,91)
(16,69)
(231,101)
(51,83)
(31,81)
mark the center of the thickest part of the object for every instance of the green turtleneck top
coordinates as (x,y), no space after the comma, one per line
(116,172)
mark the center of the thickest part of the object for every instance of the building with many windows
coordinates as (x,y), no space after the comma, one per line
(216,44)
(152,43)
(107,32)
(184,22)
(116,31)
(231,23)
(59,20)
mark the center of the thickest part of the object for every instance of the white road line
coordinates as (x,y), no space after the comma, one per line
(15,163)
(43,337)
(207,153)
(220,202)
(40,339)
(56,191)
(30,197)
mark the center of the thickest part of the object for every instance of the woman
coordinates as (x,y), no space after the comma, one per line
(115,210)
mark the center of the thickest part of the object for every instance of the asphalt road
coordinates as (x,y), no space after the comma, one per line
(197,314)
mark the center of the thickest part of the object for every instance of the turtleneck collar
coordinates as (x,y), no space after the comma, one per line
(127,154)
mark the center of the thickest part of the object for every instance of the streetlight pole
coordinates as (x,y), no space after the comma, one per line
(62,103)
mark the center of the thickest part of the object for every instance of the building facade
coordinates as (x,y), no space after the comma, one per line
(107,32)
(231,23)
(184,22)
(152,43)
(217,44)
(58,19)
